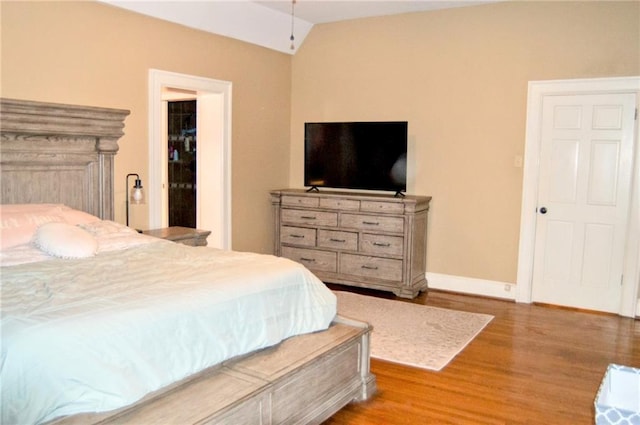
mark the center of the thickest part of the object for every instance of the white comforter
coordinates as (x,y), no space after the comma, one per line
(97,334)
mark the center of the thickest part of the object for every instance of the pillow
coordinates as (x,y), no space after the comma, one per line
(28,208)
(76,217)
(19,222)
(103,228)
(65,241)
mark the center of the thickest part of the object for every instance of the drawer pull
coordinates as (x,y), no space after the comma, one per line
(369,267)
(308,217)
(298,236)
(371,223)
(338,240)
(384,245)
(308,260)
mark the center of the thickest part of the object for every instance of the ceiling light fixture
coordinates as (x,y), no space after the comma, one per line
(292,38)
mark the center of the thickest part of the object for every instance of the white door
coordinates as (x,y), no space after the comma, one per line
(586,160)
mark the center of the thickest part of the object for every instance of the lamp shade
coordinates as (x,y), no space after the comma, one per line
(137,193)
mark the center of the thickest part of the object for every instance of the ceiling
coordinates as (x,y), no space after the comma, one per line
(269,23)
(322,11)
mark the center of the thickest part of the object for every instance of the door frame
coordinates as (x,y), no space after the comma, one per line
(215,213)
(537,90)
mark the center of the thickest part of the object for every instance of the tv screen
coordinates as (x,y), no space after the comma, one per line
(356,155)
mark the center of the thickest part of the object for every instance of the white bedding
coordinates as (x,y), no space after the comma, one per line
(96,334)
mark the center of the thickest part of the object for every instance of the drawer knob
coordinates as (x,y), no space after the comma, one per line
(308,260)
(385,245)
(337,240)
(371,223)
(308,217)
(298,236)
(369,267)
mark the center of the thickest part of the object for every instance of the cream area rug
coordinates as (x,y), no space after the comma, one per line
(412,334)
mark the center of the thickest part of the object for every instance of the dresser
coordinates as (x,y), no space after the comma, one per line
(368,240)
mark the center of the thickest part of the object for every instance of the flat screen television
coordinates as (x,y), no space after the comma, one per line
(356,155)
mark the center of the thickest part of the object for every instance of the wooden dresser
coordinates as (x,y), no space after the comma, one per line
(367,240)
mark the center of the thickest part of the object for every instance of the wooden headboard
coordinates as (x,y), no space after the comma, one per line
(55,153)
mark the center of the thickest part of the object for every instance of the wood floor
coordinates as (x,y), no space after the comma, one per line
(531,365)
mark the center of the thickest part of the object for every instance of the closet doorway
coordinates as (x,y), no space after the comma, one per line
(182,139)
(212,152)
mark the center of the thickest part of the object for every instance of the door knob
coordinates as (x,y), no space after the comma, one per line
(543,210)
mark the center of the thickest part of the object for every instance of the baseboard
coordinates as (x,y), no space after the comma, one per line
(473,286)
(481,287)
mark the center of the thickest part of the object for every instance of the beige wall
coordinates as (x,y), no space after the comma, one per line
(93,54)
(460,78)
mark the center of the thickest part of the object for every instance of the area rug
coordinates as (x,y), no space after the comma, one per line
(412,334)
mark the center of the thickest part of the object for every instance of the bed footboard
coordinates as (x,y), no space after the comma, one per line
(303,380)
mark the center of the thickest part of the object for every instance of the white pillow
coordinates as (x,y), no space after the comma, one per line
(102,228)
(65,241)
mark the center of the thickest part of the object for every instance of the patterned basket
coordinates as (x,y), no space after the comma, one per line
(618,398)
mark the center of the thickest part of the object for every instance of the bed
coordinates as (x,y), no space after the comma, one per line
(101,324)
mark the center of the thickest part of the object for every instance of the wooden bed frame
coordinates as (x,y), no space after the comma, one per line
(54,153)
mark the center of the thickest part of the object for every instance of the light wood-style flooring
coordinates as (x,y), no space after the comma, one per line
(531,365)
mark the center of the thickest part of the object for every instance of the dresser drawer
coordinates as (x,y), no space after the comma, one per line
(373,267)
(372,222)
(340,204)
(301,201)
(298,236)
(338,240)
(313,259)
(316,218)
(381,244)
(382,207)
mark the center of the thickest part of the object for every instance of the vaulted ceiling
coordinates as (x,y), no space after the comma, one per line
(269,23)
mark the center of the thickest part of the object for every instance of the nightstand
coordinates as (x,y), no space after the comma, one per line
(179,234)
